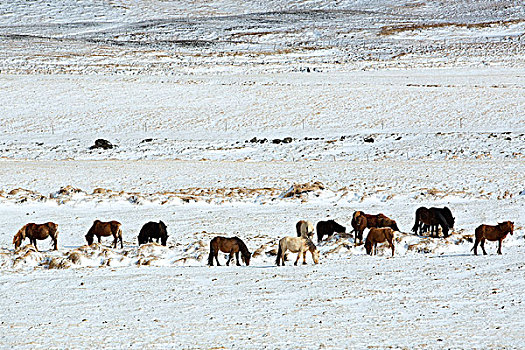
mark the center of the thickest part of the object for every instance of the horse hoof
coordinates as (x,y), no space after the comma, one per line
(294,264)
(304,263)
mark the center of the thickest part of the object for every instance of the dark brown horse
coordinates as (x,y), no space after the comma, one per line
(232,246)
(360,221)
(37,231)
(492,233)
(432,218)
(379,235)
(328,228)
(153,230)
(105,229)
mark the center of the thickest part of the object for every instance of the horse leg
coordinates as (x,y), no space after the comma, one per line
(482,245)
(499,247)
(230,257)
(237,258)
(304,257)
(55,242)
(296,260)
(475,248)
(33,242)
(216,254)
(121,241)
(115,240)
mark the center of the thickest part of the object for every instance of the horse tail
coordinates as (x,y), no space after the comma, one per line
(416,224)
(279,253)
(212,252)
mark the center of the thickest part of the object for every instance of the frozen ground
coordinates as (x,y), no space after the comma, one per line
(449,301)
(217,109)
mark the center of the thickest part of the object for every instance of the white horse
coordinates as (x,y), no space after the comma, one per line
(304,229)
(298,245)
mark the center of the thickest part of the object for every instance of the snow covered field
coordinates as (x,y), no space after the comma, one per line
(216,109)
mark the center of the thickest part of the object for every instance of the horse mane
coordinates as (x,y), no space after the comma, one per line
(21,234)
(311,245)
(243,248)
(90,232)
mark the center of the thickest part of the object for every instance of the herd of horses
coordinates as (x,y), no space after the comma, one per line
(381,230)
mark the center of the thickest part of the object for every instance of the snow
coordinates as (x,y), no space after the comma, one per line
(197,97)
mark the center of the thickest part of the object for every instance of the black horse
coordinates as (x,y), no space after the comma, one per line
(152,230)
(432,218)
(328,228)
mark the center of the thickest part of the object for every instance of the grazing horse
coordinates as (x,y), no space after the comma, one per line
(298,245)
(229,245)
(152,230)
(105,229)
(492,233)
(328,228)
(379,235)
(360,221)
(304,229)
(432,218)
(37,231)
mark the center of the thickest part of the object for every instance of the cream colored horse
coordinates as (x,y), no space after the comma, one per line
(304,229)
(299,245)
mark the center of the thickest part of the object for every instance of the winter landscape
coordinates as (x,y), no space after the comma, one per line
(229,118)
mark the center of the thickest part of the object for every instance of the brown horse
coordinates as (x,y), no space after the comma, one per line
(37,231)
(432,218)
(379,235)
(105,229)
(229,245)
(492,233)
(360,221)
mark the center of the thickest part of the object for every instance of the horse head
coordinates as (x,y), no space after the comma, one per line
(89,238)
(507,226)
(368,247)
(143,239)
(337,227)
(451,220)
(163,232)
(19,237)
(315,256)
(393,225)
(245,257)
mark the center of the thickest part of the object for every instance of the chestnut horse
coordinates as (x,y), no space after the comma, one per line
(229,245)
(304,229)
(432,218)
(37,231)
(299,245)
(379,235)
(492,233)
(360,221)
(105,229)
